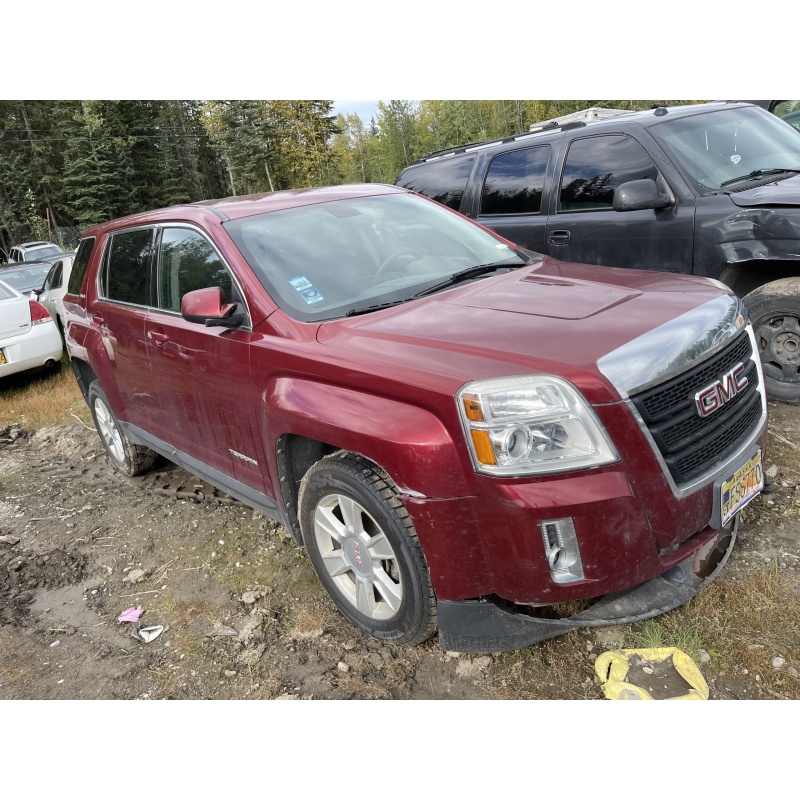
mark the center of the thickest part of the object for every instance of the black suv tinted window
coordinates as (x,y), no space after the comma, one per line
(443,181)
(596,166)
(128,265)
(514,182)
(187,262)
(80,264)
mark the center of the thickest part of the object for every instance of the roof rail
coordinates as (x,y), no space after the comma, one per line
(535,130)
(469,148)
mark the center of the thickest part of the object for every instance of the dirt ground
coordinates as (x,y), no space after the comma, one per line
(243,615)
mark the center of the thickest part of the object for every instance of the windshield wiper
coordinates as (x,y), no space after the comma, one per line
(353,312)
(757,173)
(465,275)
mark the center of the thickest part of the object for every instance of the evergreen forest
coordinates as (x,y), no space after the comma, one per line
(68,164)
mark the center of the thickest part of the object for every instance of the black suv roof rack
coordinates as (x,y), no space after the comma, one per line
(468,148)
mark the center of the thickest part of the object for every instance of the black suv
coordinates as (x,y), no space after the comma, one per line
(711,189)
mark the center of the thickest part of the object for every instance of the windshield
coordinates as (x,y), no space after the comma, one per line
(325,260)
(731,143)
(42,252)
(23,280)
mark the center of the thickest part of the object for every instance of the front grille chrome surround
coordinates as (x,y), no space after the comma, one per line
(693,450)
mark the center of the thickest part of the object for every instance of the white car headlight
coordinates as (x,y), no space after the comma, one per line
(531,425)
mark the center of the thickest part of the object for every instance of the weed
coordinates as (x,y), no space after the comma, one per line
(35,400)
(668,631)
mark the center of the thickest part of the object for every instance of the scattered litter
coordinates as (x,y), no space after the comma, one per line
(147,633)
(660,673)
(134,576)
(222,630)
(131,614)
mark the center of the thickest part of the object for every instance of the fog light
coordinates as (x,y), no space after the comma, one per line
(561,550)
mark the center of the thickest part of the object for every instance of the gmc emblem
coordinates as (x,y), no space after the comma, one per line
(713,397)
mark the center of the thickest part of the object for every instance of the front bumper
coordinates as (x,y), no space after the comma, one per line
(486,625)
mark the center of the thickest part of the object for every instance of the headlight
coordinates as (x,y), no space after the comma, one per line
(531,425)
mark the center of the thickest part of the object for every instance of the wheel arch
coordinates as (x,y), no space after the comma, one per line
(84,374)
(746,276)
(309,421)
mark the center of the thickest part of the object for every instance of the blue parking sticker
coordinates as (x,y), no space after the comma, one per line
(304,288)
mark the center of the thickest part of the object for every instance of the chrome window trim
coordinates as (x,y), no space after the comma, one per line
(188,225)
(156,227)
(104,265)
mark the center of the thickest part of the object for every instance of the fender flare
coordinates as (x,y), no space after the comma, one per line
(411,444)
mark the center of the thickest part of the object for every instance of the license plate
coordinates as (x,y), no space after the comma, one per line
(742,488)
(2,357)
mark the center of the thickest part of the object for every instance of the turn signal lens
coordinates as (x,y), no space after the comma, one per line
(472,408)
(483,447)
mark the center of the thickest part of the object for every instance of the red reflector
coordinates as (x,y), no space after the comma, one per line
(39,313)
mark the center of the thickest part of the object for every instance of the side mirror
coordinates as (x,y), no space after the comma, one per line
(636,195)
(208,307)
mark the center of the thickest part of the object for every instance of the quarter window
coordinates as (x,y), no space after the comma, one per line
(514,182)
(596,166)
(188,261)
(128,266)
(79,265)
(56,279)
(443,181)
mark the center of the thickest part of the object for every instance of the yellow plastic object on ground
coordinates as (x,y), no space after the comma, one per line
(660,673)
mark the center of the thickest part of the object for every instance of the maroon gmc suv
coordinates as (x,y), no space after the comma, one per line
(465,435)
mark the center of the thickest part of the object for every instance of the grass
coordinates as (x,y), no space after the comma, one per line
(34,400)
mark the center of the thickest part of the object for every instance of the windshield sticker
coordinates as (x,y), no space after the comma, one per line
(311,295)
(501,247)
(304,288)
(736,159)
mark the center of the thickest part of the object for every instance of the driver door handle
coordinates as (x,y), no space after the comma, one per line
(558,237)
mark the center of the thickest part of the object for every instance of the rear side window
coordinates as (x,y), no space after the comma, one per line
(515,181)
(79,266)
(596,166)
(128,266)
(56,281)
(188,261)
(443,181)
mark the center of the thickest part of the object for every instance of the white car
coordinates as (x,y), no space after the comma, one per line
(32,251)
(29,338)
(54,288)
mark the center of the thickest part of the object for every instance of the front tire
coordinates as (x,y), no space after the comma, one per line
(128,458)
(363,546)
(774,310)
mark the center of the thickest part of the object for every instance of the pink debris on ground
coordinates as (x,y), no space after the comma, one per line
(131,614)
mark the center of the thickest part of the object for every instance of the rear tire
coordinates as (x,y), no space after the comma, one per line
(363,546)
(128,458)
(774,310)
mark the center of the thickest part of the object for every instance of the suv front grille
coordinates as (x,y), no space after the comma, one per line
(689,443)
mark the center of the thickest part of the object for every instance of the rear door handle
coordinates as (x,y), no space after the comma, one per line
(558,237)
(159,338)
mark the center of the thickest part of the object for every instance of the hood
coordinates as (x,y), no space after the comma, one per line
(555,318)
(781,193)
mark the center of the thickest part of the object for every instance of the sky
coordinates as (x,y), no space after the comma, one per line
(366,109)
